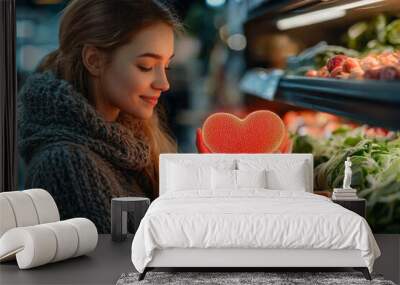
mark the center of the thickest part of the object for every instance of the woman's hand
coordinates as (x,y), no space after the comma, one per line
(201,147)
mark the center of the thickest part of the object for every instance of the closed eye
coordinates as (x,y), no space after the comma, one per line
(148,69)
(144,69)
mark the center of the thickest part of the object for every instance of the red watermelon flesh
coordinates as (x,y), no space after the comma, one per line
(260,132)
(286,145)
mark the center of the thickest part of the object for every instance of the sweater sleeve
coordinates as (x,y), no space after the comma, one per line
(78,185)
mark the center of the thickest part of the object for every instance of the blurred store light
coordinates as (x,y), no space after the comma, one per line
(357,4)
(215,3)
(321,15)
(309,19)
(237,42)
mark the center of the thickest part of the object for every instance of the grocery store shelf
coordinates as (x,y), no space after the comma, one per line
(274,7)
(376,103)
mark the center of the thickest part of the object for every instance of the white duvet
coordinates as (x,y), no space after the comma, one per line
(250,218)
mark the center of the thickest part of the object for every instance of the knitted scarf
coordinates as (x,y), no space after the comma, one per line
(73,153)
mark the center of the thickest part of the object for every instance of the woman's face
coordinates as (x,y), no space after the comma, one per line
(136,76)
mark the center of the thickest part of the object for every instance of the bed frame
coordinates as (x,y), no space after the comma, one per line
(250,258)
(246,259)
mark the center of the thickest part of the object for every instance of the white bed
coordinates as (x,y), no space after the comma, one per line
(193,225)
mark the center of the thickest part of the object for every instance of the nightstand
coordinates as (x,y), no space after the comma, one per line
(357,205)
(119,215)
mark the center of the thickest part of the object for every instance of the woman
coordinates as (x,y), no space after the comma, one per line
(89,124)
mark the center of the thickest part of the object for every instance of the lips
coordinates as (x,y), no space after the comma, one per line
(152,100)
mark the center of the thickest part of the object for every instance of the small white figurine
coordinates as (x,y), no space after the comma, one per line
(347,174)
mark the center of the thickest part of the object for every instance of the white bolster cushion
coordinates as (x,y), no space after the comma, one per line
(40,244)
(67,240)
(23,208)
(87,235)
(26,208)
(45,205)
(33,246)
(7,218)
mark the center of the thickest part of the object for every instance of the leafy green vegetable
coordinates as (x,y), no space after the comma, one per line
(381,33)
(379,26)
(375,167)
(357,35)
(393,32)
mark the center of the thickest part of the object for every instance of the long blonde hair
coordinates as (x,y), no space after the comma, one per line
(108,25)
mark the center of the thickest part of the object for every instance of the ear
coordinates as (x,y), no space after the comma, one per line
(92,58)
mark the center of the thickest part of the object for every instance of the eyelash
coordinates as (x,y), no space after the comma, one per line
(144,69)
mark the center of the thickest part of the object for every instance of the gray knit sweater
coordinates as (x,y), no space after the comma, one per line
(72,152)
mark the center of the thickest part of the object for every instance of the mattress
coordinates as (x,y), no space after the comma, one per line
(250,218)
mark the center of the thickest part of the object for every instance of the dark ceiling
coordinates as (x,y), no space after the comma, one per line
(181,6)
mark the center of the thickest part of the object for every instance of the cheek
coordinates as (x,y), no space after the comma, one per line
(118,81)
(123,86)
(126,81)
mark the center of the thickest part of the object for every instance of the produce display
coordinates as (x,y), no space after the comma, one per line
(315,124)
(384,66)
(381,33)
(371,51)
(316,57)
(375,157)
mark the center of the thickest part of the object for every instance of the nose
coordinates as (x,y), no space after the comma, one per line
(161,81)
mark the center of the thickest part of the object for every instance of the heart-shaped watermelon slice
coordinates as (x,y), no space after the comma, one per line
(286,145)
(260,132)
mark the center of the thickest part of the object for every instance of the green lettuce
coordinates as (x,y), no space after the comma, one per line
(375,170)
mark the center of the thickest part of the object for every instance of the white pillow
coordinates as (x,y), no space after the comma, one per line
(282,173)
(295,181)
(223,179)
(251,178)
(218,163)
(181,177)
